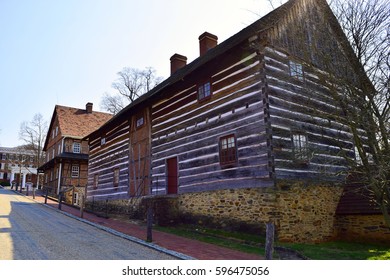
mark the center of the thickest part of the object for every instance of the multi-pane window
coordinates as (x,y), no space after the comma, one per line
(76,148)
(204,91)
(116,177)
(75,198)
(227,150)
(300,146)
(75,171)
(296,70)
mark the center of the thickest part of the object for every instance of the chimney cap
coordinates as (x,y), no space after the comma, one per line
(88,107)
(207,34)
(177,61)
(177,56)
(207,41)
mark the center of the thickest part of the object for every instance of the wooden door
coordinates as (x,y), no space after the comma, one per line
(172,171)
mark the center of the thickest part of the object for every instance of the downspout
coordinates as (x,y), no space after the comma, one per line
(60,168)
(59,179)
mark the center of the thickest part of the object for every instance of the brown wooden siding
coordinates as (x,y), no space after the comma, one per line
(104,159)
(139,155)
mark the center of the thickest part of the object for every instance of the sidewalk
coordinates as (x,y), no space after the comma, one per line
(192,248)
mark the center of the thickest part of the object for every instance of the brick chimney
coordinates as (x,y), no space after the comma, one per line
(88,107)
(177,61)
(207,41)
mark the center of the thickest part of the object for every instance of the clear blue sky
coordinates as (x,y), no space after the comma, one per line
(68,52)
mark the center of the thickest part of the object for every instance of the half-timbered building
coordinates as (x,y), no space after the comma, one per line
(247,133)
(66,165)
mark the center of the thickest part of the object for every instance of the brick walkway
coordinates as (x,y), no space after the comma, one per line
(193,248)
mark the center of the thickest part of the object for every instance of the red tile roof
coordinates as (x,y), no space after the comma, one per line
(77,122)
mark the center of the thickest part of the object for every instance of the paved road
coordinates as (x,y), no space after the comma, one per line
(31,231)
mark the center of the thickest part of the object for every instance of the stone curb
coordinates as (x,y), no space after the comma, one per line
(115,232)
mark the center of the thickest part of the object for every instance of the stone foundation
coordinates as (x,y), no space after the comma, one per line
(127,207)
(301,214)
(370,228)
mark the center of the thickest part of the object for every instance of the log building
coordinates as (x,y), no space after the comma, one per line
(247,133)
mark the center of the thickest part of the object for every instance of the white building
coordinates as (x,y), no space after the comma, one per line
(17,166)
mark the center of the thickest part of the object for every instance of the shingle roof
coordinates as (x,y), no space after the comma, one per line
(77,122)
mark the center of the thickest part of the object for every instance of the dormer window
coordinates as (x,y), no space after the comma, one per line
(296,70)
(76,148)
(204,91)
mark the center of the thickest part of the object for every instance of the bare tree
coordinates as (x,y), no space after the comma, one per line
(33,134)
(112,103)
(131,84)
(359,88)
(366,24)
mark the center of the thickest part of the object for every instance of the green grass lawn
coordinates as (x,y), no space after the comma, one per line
(342,250)
(250,243)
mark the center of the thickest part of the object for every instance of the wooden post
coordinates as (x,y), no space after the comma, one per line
(60,200)
(149,217)
(47,193)
(82,206)
(269,242)
(106,208)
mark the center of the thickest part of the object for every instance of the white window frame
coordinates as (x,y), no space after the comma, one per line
(76,148)
(76,198)
(75,171)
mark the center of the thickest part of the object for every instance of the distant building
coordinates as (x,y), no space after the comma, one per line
(66,162)
(18,166)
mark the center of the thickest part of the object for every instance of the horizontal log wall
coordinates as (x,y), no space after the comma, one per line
(104,159)
(184,127)
(304,107)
